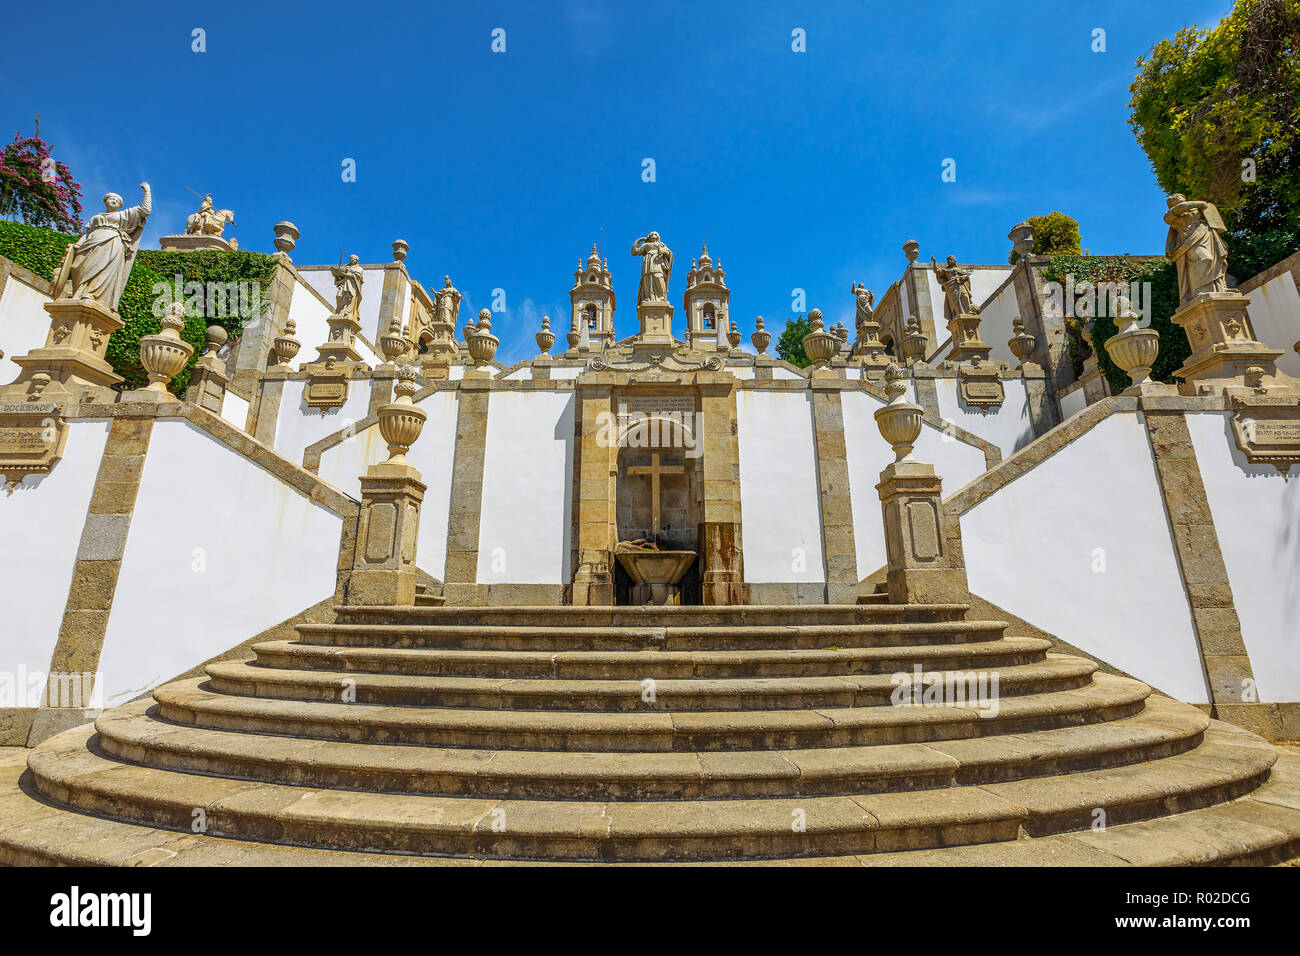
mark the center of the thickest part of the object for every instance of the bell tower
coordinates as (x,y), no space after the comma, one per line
(706,304)
(592,298)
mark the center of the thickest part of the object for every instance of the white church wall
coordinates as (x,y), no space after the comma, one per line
(298,425)
(996,316)
(1256,514)
(372,289)
(1089,558)
(525,519)
(261,552)
(779,492)
(309,315)
(1072,402)
(234,409)
(1274,311)
(24,324)
(1008,427)
(42,522)
(867,454)
(342,465)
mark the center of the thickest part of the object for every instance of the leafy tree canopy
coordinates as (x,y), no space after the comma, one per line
(789,347)
(36,188)
(1055,234)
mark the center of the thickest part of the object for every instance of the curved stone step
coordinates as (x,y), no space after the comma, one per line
(193,702)
(660,665)
(723,616)
(131,733)
(538,637)
(69,770)
(1259,829)
(625,696)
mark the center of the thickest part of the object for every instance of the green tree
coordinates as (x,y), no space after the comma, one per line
(36,188)
(1218,114)
(1055,234)
(789,347)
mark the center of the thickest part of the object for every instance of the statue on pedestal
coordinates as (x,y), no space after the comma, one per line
(208,221)
(956,288)
(656,268)
(348,280)
(1196,246)
(866,302)
(102,258)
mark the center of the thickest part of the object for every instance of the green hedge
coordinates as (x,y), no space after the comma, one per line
(42,250)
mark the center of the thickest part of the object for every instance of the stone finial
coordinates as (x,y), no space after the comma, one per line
(733,335)
(574,336)
(286,237)
(1022,239)
(1022,343)
(400,248)
(914,340)
(286,346)
(400,421)
(165,354)
(214,339)
(911,249)
(545,338)
(1132,348)
(761,337)
(393,343)
(482,343)
(900,420)
(819,345)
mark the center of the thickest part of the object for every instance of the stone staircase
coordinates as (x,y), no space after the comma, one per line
(466,735)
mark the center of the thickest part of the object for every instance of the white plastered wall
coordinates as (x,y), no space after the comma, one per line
(297,425)
(1257,518)
(867,454)
(525,518)
(779,492)
(235,410)
(41,521)
(372,294)
(206,569)
(1275,313)
(1080,547)
(1009,427)
(342,465)
(24,324)
(996,316)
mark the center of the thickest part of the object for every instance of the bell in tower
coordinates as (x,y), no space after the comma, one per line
(592,298)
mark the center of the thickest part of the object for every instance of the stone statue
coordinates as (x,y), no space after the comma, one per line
(208,221)
(656,268)
(102,258)
(956,288)
(1196,246)
(866,303)
(446,303)
(347,284)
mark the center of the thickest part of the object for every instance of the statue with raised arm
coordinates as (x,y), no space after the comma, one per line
(348,280)
(866,305)
(956,288)
(1195,244)
(102,258)
(656,268)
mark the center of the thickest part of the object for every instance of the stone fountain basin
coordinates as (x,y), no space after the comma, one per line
(655,567)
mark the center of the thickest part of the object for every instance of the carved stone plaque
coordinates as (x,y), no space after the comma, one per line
(1267,429)
(32,436)
(981,387)
(326,388)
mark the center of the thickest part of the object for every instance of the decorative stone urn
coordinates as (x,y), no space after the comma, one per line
(1132,348)
(400,248)
(482,343)
(165,354)
(762,338)
(819,344)
(574,336)
(900,420)
(911,249)
(286,237)
(545,338)
(393,343)
(286,346)
(1022,239)
(914,341)
(733,336)
(1022,343)
(401,421)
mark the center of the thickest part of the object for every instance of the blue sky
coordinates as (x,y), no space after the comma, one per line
(803,170)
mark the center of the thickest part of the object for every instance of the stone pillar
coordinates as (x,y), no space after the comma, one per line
(833,477)
(722,568)
(1223,341)
(383,551)
(73,360)
(461,575)
(593,577)
(208,381)
(922,538)
(265,411)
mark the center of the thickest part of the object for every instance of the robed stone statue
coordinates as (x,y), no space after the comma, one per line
(348,280)
(102,258)
(656,268)
(866,300)
(956,288)
(1195,244)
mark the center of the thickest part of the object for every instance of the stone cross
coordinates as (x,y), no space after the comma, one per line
(655,470)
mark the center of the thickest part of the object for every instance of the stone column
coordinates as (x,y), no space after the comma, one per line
(722,568)
(461,575)
(833,477)
(208,381)
(593,577)
(1223,342)
(922,538)
(383,551)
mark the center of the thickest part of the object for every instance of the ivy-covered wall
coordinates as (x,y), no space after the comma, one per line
(141,306)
